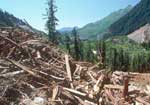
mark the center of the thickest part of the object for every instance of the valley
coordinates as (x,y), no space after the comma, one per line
(106,62)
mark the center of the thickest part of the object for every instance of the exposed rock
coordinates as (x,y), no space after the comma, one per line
(141,35)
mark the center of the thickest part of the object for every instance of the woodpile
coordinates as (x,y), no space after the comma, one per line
(35,72)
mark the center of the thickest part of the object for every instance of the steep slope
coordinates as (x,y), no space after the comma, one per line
(137,17)
(141,35)
(9,20)
(91,30)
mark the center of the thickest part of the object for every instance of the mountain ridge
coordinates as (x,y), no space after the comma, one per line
(136,18)
(65,29)
(96,28)
(9,20)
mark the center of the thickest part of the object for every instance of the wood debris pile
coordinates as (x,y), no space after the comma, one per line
(35,72)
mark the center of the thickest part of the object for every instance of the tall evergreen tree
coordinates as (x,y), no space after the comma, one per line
(114,59)
(51,21)
(68,42)
(76,44)
(81,48)
(89,54)
(103,52)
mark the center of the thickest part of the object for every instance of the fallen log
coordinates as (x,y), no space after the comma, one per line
(117,87)
(11,74)
(25,68)
(68,70)
(12,42)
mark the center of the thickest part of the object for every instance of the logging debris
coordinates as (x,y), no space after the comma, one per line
(33,71)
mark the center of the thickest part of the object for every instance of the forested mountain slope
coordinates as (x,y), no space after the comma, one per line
(9,20)
(91,30)
(136,18)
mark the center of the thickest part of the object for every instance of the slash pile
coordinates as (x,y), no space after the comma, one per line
(35,72)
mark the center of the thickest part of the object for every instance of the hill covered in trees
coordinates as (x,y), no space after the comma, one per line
(91,30)
(116,53)
(126,55)
(136,18)
(9,20)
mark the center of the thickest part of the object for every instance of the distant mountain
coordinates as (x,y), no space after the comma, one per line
(9,20)
(91,30)
(65,29)
(136,18)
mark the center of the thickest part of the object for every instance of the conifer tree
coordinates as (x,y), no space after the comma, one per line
(76,44)
(114,60)
(81,46)
(68,42)
(89,55)
(103,52)
(51,21)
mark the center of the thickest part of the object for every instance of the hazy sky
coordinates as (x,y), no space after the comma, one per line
(70,12)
